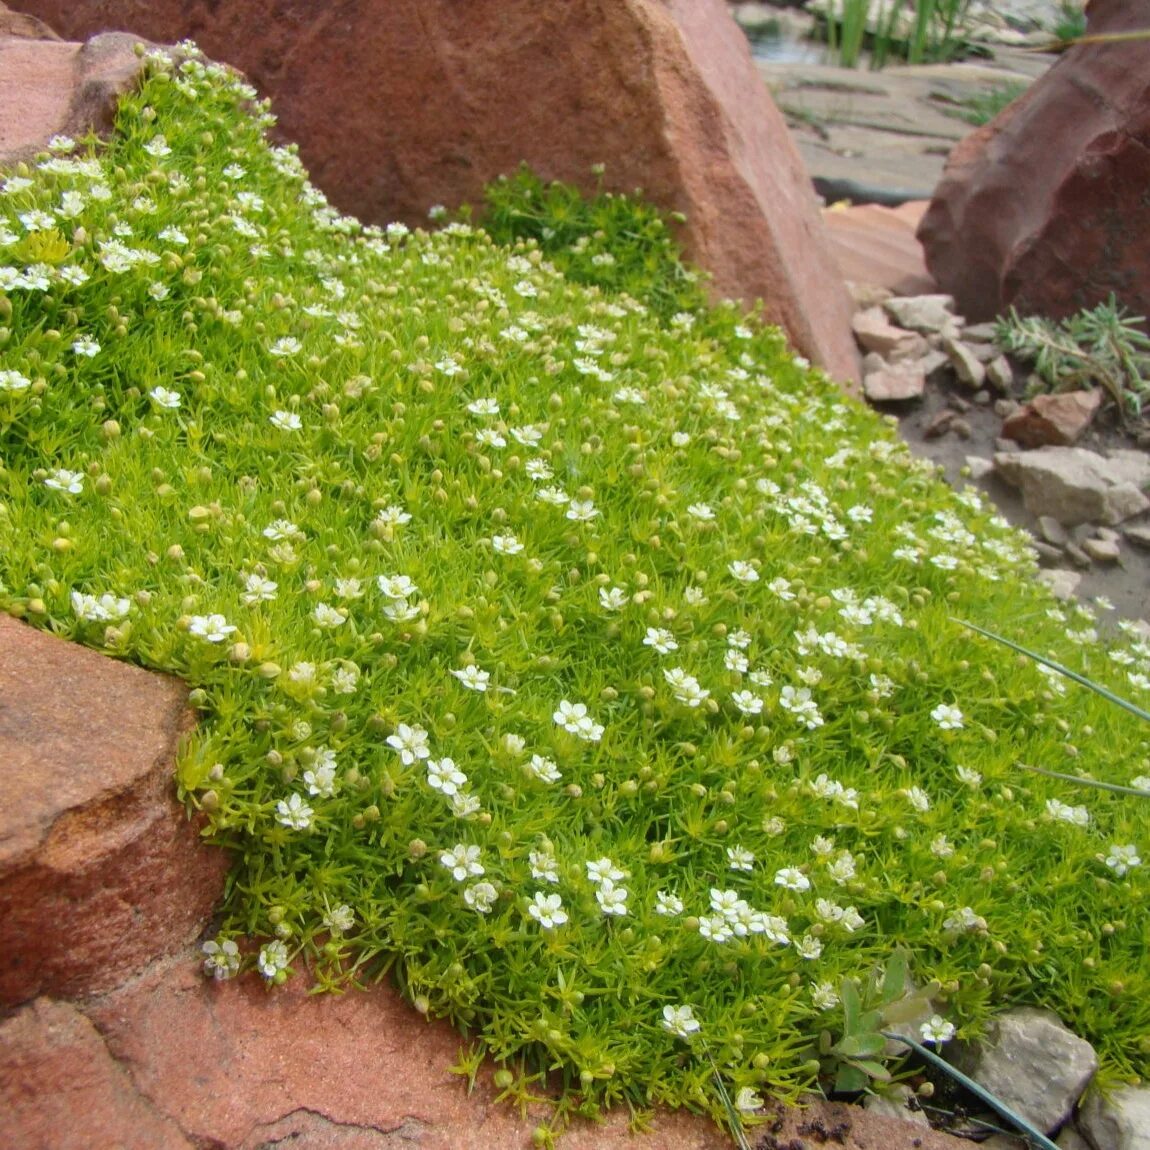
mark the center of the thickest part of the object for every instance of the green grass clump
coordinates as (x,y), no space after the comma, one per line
(594,674)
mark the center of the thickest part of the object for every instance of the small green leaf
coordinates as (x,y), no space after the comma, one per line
(861,1045)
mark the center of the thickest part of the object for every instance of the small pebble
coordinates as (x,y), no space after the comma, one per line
(962,429)
(1052,531)
(1101,550)
(1077,556)
(982,397)
(1004,408)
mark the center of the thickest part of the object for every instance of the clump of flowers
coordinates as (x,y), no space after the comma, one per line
(579,652)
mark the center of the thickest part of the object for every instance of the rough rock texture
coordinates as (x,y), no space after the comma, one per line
(876,245)
(1056,420)
(1045,207)
(171,1061)
(1120,1122)
(397,106)
(875,332)
(895,382)
(58,87)
(1078,486)
(100,869)
(1033,1064)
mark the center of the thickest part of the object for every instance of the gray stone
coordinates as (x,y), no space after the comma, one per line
(925,313)
(1033,1064)
(966,365)
(1102,550)
(1139,535)
(874,332)
(982,397)
(979,467)
(1069,1139)
(1004,408)
(1075,485)
(933,362)
(1062,583)
(1052,531)
(872,361)
(1108,534)
(962,428)
(1077,556)
(895,381)
(981,333)
(1048,553)
(1120,1122)
(893,1104)
(1000,373)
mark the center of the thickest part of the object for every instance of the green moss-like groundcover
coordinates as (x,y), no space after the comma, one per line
(574,664)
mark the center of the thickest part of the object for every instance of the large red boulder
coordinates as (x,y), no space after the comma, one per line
(100,869)
(1046,208)
(401,104)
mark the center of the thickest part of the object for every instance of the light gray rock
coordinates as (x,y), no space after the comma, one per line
(1075,485)
(933,362)
(925,313)
(874,332)
(1062,583)
(966,364)
(980,468)
(980,333)
(1048,554)
(1000,373)
(1004,408)
(895,381)
(893,1104)
(1033,1064)
(1052,531)
(1102,550)
(1138,535)
(1120,1122)
(1069,1139)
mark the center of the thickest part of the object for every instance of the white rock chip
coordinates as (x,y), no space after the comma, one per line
(967,365)
(893,1104)
(1078,486)
(1035,1065)
(925,313)
(1120,1122)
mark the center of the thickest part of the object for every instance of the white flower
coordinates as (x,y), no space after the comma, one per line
(937,1030)
(339,920)
(286,346)
(213,628)
(809,947)
(396,586)
(661,639)
(410,742)
(286,421)
(919,799)
(162,397)
(969,776)
(604,870)
(743,571)
(544,769)
(555,496)
(348,588)
(444,776)
(480,897)
(257,589)
(701,511)
(538,469)
(327,616)
(685,687)
(391,517)
(582,510)
(273,960)
(612,899)
(747,702)
(680,1021)
(695,596)
(782,588)
(613,598)
(320,777)
(574,719)
(506,545)
(463,862)
(294,813)
(473,678)
(1122,858)
(547,910)
(13,381)
(739,858)
(1064,813)
(716,929)
(679,439)
(824,996)
(105,609)
(489,437)
(528,435)
(792,878)
(964,920)
(949,718)
(544,868)
(464,806)
(70,482)
(668,904)
(345,679)
(941,847)
(221,959)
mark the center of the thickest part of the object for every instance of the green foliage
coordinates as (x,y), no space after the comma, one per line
(1104,346)
(984,106)
(918,32)
(1071,24)
(589,673)
(883,999)
(614,241)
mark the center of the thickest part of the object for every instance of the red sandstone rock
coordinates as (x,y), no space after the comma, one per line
(50,87)
(1053,419)
(400,105)
(100,870)
(1045,207)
